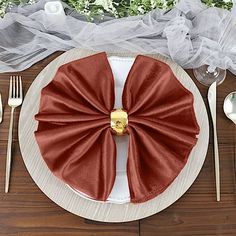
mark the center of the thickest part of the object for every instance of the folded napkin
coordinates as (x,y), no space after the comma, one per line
(76,139)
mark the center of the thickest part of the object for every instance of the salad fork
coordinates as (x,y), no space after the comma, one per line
(14,100)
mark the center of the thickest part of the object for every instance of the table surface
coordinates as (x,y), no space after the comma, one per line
(26,211)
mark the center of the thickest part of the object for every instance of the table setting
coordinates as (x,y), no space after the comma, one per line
(122,123)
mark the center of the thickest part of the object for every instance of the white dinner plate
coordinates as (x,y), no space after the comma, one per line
(80,204)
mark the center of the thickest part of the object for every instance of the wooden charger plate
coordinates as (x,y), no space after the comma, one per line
(63,196)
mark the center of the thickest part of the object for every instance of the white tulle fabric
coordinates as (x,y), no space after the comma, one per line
(191,34)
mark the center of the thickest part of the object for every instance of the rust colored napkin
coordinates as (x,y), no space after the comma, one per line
(76,140)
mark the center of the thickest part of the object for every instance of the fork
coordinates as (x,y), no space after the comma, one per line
(1,115)
(14,100)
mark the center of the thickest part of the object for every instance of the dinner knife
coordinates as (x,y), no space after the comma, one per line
(212,103)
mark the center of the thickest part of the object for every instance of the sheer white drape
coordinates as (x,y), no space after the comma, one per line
(191,34)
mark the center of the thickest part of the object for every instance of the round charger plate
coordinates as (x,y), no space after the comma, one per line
(63,196)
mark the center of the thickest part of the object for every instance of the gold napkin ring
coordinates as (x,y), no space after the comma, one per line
(119,121)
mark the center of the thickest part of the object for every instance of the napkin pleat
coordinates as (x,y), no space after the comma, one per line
(160,159)
(144,82)
(163,129)
(85,87)
(92,171)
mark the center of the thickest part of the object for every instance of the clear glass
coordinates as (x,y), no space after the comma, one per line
(207,74)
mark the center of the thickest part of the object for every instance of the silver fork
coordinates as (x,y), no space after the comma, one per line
(1,115)
(14,100)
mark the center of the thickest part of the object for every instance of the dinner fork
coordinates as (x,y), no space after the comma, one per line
(1,115)
(14,100)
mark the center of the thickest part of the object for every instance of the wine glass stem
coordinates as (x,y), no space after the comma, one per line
(211,69)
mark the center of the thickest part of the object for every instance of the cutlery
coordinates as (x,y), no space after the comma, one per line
(212,103)
(230,106)
(1,108)
(15,99)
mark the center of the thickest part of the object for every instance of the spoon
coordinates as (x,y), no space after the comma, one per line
(230,106)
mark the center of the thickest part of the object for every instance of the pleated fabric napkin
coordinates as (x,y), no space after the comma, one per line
(76,139)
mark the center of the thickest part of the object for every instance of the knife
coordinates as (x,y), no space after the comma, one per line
(0,108)
(212,103)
